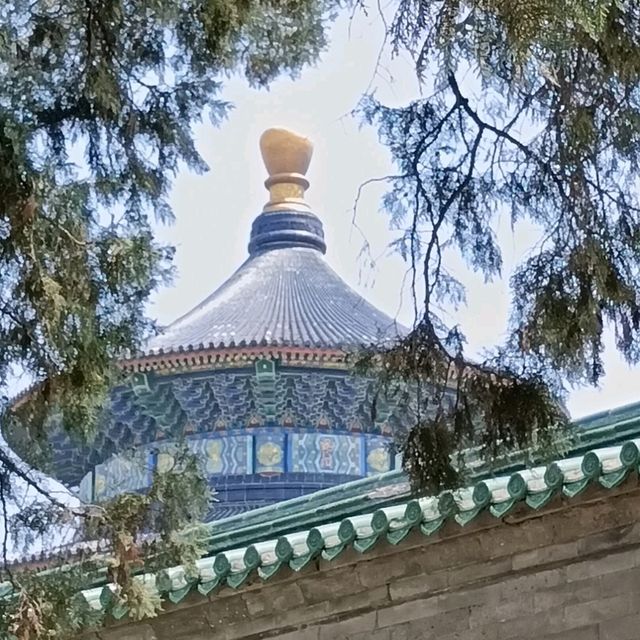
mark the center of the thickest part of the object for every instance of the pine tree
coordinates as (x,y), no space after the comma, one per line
(97,104)
(532,108)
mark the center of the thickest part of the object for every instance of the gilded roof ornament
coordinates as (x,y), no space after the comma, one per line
(286,156)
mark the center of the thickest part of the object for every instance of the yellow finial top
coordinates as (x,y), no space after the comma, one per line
(286,156)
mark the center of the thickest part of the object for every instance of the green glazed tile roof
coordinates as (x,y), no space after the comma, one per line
(533,488)
(358,515)
(613,427)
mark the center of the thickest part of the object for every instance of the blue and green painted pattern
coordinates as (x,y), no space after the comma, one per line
(261,452)
(155,408)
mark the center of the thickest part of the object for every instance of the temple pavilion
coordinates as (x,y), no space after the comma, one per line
(317,536)
(253,380)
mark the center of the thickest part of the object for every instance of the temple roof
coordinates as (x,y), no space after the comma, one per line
(287,297)
(285,294)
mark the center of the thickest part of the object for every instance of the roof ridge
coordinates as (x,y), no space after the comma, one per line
(606,467)
(535,488)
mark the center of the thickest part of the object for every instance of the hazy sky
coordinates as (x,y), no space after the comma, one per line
(214,211)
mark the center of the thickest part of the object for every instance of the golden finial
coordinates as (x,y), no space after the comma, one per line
(286,156)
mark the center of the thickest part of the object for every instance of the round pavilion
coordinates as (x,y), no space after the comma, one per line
(253,379)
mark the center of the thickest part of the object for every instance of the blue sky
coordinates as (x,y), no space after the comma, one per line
(214,211)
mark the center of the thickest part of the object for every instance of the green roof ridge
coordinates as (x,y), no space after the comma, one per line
(326,523)
(607,467)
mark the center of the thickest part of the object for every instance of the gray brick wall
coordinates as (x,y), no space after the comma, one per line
(570,572)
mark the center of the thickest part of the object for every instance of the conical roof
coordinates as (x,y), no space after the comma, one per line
(285,294)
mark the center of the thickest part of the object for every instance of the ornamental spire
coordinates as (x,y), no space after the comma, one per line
(286,221)
(286,156)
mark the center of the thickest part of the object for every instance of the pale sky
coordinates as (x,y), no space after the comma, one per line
(214,211)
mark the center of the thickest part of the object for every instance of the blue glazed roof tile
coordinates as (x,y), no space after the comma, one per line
(285,296)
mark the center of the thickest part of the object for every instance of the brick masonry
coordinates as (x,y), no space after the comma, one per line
(569,572)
